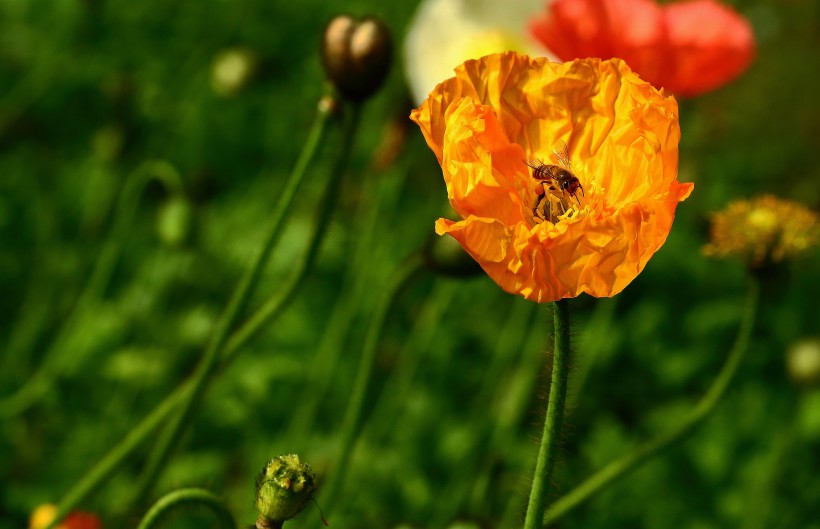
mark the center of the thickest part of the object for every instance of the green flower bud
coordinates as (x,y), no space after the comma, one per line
(803,362)
(283,489)
(232,70)
(174,221)
(445,256)
(356,55)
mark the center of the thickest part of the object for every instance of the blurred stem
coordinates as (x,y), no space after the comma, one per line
(273,307)
(413,353)
(597,336)
(124,212)
(411,267)
(207,366)
(185,393)
(184,497)
(488,410)
(764,485)
(356,282)
(548,451)
(643,453)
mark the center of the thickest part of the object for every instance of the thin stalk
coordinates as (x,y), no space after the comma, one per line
(276,303)
(548,452)
(413,353)
(484,412)
(184,497)
(621,467)
(357,278)
(111,461)
(355,407)
(207,366)
(39,383)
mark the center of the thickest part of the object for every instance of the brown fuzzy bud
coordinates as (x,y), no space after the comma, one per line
(356,55)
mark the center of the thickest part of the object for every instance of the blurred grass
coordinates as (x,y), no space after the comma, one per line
(91,89)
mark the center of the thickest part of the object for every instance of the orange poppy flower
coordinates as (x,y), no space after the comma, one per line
(505,111)
(688,47)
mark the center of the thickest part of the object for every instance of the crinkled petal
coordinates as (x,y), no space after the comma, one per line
(622,136)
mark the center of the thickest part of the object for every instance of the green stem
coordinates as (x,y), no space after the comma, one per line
(548,452)
(355,407)
(413,354)
(356,282)
(170,436)
(624,465)
(184,497)
(488,412)
(273,307)
(39,383)
(111,461)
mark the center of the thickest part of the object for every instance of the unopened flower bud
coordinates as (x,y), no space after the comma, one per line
(803,362)
(445,256)
(356,55)
(232,70)
(283,489)
(174,221)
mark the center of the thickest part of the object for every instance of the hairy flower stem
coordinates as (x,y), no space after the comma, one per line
(643,453)
(184,393)
(355,407)
(126,207)
(185,497)
(548,452)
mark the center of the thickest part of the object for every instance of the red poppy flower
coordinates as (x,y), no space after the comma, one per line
(688,47)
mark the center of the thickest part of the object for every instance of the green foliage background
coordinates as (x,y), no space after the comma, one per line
(91,89)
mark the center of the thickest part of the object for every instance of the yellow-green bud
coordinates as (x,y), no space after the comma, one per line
(174,221)
(356,55)
(803,362)
(283,488)
(232,69)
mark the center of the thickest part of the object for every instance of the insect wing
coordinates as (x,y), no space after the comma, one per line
(562,155)
(540,171)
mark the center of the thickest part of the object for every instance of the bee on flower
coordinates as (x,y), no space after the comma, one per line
(548,231)
(559,183)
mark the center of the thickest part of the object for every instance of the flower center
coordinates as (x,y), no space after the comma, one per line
(558,192)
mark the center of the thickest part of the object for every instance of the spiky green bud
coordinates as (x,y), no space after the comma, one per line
(283,488)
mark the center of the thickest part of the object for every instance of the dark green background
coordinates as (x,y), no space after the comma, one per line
(90,89)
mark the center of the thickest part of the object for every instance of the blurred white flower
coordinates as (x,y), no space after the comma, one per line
(445,33)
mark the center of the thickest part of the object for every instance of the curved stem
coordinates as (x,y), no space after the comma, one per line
(273,307)
(548,451)
(124,212)
(209,362)
(183,497)
(185,393)
(355,407)
(624,465)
